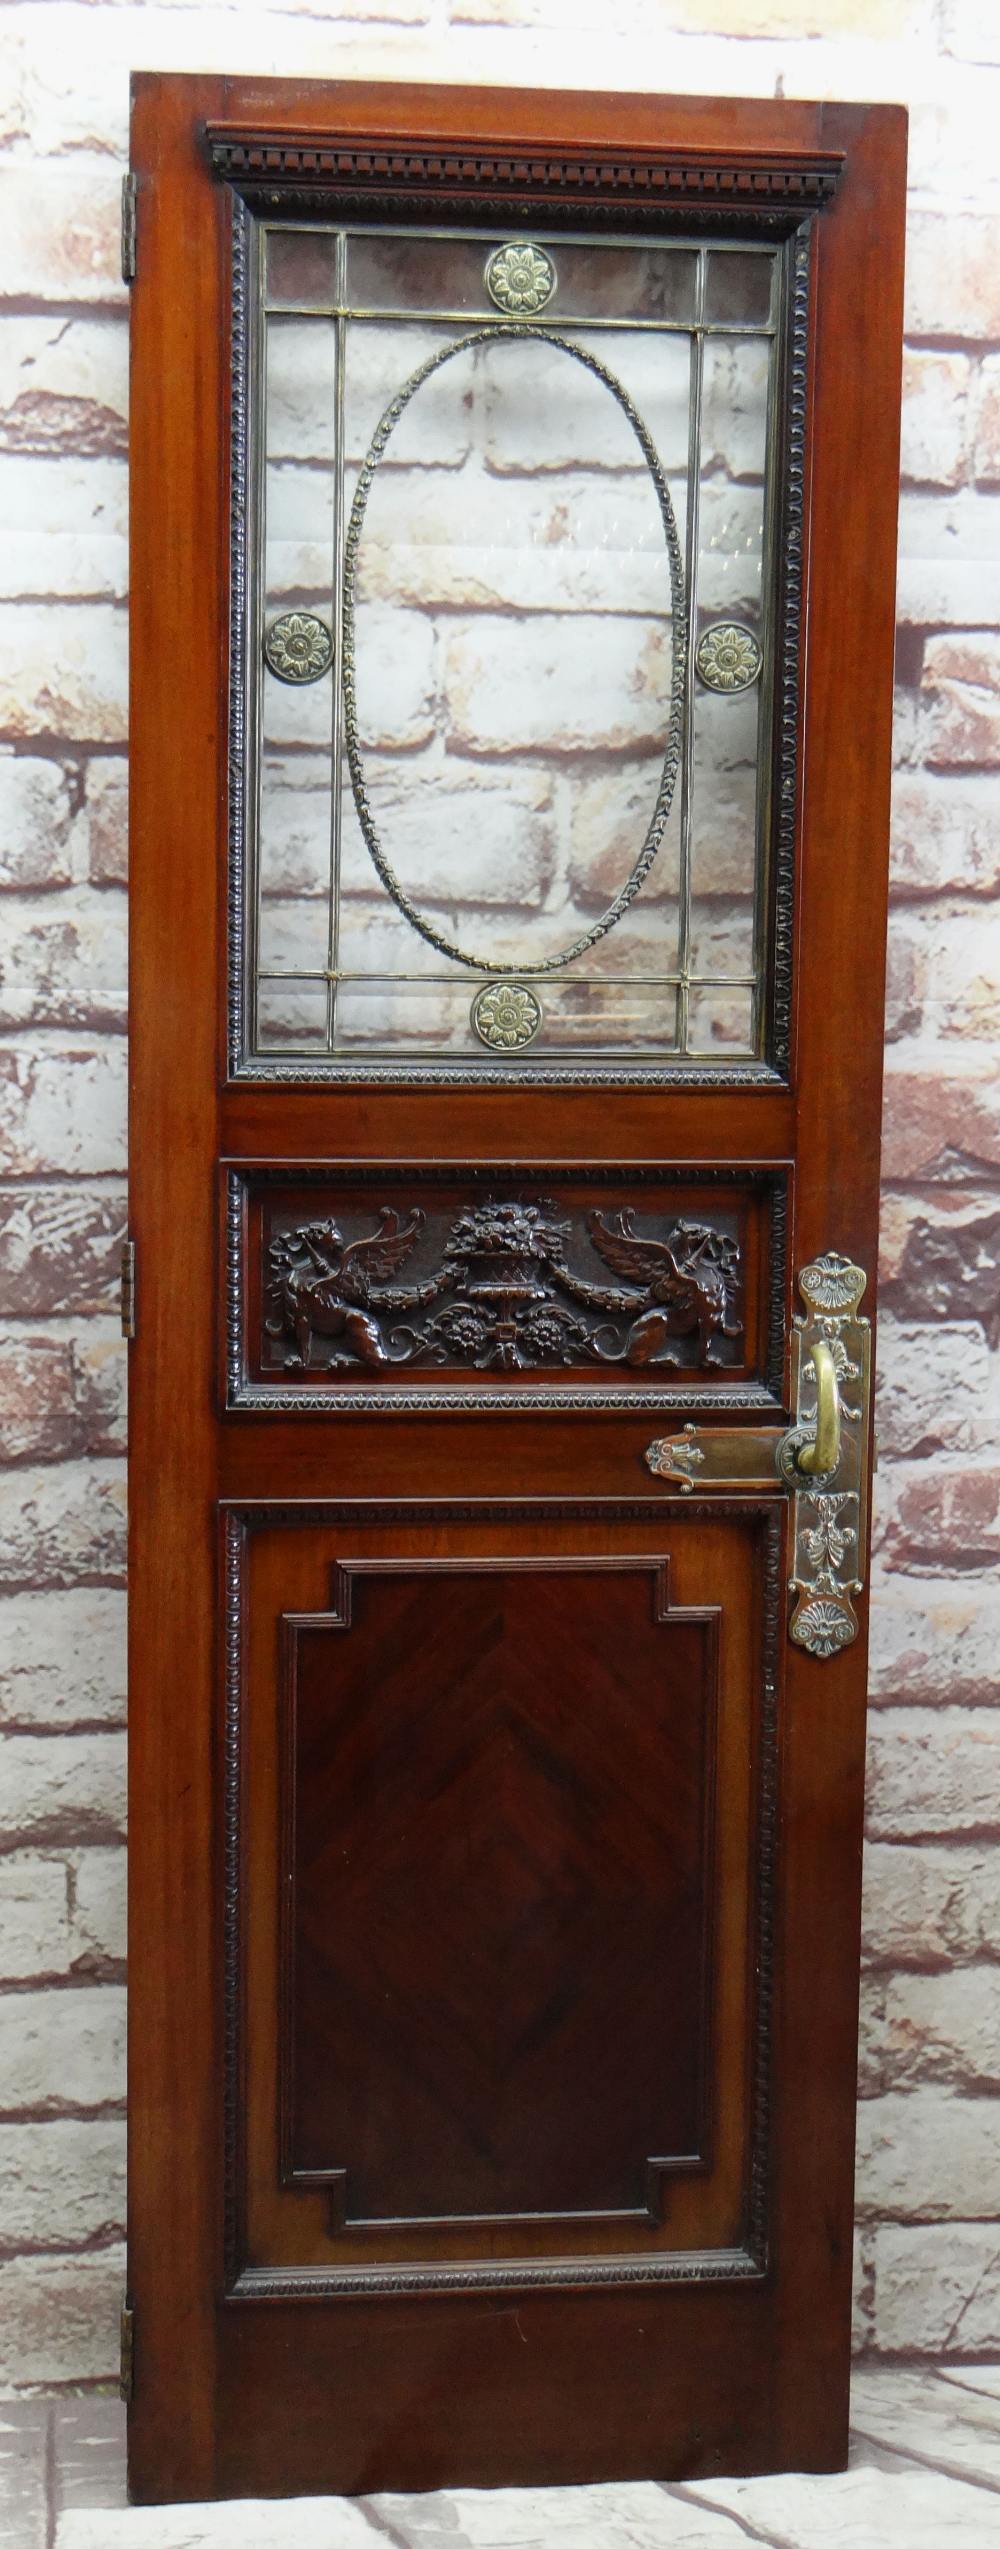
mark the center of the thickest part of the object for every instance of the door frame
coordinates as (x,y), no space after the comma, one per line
(694,158)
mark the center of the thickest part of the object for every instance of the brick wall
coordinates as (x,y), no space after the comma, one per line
(929,2190)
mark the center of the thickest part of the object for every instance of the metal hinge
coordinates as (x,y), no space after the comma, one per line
(128,227)
(128,1288)
(126,2374)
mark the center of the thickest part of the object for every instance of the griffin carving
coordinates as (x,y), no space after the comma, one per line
(505,1291)
(687,1286)
(322,1285)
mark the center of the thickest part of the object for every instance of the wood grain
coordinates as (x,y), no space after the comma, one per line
(269,2387)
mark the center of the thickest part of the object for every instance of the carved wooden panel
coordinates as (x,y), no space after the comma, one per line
(543,1287)
(500,1815)
(497,1888)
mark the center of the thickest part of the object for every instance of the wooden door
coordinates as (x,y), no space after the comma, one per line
(513,535)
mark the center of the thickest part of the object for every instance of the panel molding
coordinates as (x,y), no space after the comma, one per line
(240,589)
(305,2283)
(337,1618)
(680,1386)
(772,1069)
(277,167)
(736,2264)
(790,633)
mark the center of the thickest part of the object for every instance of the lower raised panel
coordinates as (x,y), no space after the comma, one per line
(501,1797)
(497,1890)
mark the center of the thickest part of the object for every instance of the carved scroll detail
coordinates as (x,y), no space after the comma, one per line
(509,1291)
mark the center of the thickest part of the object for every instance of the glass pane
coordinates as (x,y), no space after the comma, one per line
(292,1017)
(300,482)
(386,272)
(301,266)
(729,653)
(738,288)
(496,814)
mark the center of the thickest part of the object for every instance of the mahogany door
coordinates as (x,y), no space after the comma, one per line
(513,535)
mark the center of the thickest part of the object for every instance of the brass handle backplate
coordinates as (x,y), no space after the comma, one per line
(821,1460)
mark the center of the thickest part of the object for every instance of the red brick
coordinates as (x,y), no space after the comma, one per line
(945,834)
(63,1525)
(38,1418)
(62,2183)
(961,682)
(986,452)
(933,1770)
(940,1122)
(930,1904)
(941,1256)
(933,1387)
(952,276)
(935,418)
(62,1108)
(34,823)
(937,2292)
(60,2317)
(60,1248)
(105,814)
(943,1518)
(64,389)
(61,233)
(943,2026)
(934,1640)
(61,1397)
(64,1658)
(63,671)
(928,2155)
(64,961)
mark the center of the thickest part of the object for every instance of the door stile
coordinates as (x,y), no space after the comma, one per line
(838,1071)
(178,647)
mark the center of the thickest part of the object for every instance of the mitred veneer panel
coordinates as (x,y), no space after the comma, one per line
(499,1883)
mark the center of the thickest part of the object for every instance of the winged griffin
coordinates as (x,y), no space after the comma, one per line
(322,1285)
(686,1286)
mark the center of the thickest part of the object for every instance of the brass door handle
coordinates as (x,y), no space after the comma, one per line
(822,1459)
(817,1455)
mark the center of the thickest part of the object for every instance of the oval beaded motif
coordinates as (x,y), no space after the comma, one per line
(500,335)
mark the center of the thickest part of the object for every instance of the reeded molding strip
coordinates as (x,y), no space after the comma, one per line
(354,168)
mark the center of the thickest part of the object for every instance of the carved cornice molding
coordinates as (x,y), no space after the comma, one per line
(285,166)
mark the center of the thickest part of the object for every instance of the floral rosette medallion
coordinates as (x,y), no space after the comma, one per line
(520,278)
(728,657)
(298,647)
(506,1015)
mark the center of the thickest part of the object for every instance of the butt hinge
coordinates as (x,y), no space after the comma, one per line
(128,1288)
(128,227)
(126,2373)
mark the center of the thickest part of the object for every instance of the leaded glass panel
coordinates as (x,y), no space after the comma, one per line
(508,627)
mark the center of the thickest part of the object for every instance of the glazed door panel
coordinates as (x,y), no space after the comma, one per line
(513,528)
